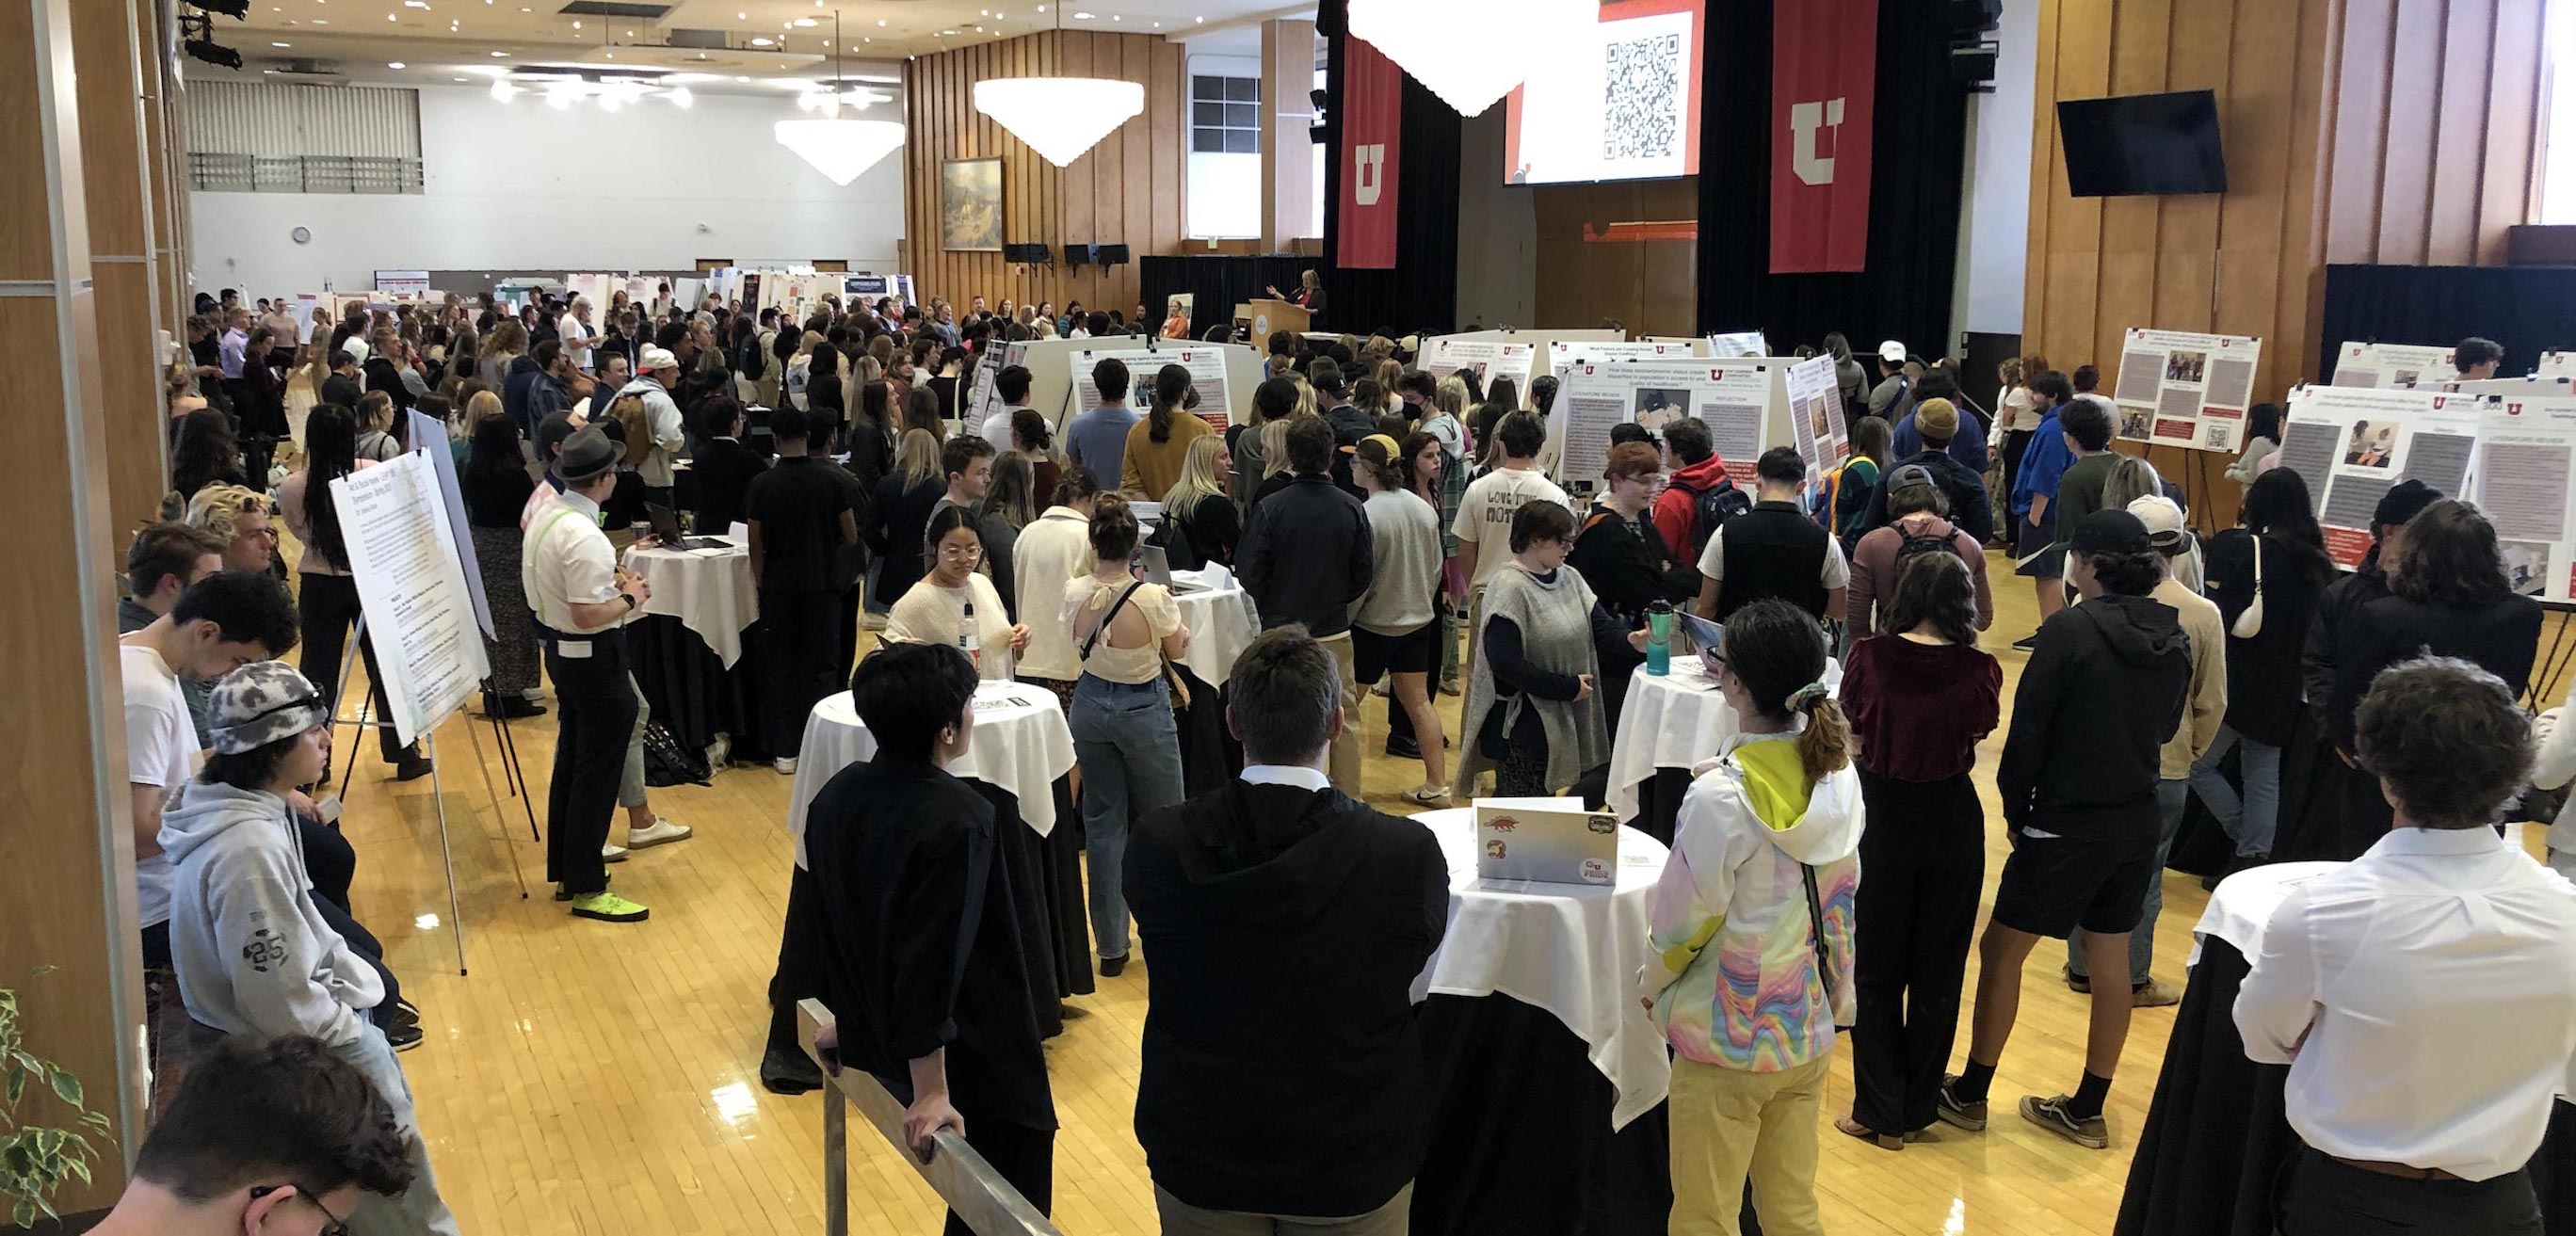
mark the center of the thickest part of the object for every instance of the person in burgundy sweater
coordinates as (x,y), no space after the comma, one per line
(1919,700)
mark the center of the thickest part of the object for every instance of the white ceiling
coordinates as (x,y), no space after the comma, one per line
(436,41)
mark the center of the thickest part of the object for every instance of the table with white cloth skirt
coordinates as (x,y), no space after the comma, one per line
(1549,1077)
(1021,745)
(692,645)
(1669,724)
(1222,621)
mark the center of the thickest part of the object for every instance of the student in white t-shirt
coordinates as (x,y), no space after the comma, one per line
(221,623)
(1485,512)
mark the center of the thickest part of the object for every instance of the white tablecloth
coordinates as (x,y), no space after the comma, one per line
(2244,903)
(1673,722)
(1222,621)
(1571,950)
(1021,744)
(709,591)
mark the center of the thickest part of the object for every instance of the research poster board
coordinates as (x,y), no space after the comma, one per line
(1739,343)
(2393,366)
(1207,364)
(1734,399)
(2526,454)
(1562,353)
(1488,359)
(2350,444)
(451,504)
(413,283)
(2559,364)
(2177,388)
(980,399)
(411,583)
(1815,402)
(305,304)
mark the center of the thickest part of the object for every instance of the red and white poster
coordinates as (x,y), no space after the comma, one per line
(1823,82)
(1372,121)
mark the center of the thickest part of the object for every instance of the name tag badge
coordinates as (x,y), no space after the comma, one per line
(572,649)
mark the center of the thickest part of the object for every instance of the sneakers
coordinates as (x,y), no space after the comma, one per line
(2153,994)
(1403,747)
(609,908)
(661,833)
(2027,642)
(612,853)
(411,767)
(1956,1112)
(786,765)
(403,1036)
(2052,1115)
(785,1070)
(1112,967)
(2076,983)
(1427,795)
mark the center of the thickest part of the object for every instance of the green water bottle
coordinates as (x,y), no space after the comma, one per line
(1659,638)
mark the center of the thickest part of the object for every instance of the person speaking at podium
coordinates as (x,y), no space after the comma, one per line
(582,600)
(1309,296)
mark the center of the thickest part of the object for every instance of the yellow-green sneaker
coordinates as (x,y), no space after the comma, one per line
(609,908)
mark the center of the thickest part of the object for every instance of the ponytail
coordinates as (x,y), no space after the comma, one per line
(1826,745)
(1778,652)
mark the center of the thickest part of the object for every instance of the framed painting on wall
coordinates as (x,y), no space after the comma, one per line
(970,205)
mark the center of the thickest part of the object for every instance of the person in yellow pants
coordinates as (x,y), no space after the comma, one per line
(1760,882)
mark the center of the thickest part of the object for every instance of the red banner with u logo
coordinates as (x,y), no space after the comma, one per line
(1823,82)
(1371,122)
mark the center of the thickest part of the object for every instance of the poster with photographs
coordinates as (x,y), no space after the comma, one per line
(2351,444)
(1488,359)
(1732,344)
(2526,452)
(2392,366)
(1816,414)
(981,400)
(1562,354)
(1733,400)
(1207,377)
(2182,389)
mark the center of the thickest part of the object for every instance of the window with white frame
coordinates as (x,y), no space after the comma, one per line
(1225,195)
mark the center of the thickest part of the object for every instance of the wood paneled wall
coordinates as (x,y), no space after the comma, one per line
(1651,287)
(2397,131)
(1126,190)
(113,167)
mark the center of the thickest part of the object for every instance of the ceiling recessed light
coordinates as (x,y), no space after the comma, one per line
(764,41)
(281,45)
(742,17)
(576,23)
(804,22)
(1082,17)
(500,55)
(389,17)
(415,4)
(1202,21)
(395,65)
(880,23)
(742,79)
(465,79)
(316,21)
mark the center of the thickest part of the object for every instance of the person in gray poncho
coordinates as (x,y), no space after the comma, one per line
(1531,705)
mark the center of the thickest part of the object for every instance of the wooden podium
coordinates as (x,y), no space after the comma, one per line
(1267,316)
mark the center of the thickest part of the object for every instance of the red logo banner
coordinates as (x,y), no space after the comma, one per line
(1372,122)
(1823,84)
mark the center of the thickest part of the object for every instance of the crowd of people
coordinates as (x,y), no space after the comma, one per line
(1394,528)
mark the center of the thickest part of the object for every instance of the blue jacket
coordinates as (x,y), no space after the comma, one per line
(2042,463)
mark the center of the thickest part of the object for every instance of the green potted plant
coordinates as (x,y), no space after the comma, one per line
(37,1159)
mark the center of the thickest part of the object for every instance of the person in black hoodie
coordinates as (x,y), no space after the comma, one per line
(1284,1071)
(922,964)
(2447,597)
(2318,785)
(2078,783)
(2277,556)
(725,467)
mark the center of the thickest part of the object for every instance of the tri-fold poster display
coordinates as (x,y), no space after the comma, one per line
(2177,388)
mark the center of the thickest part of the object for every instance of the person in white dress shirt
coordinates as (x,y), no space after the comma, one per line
(2424,994)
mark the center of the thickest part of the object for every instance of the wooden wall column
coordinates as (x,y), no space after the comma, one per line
(1287,154)
(67,893)
(122,262)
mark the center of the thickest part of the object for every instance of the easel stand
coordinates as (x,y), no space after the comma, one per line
(2555,660)
(437,791)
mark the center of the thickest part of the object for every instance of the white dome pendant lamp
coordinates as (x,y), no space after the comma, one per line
(1061,118)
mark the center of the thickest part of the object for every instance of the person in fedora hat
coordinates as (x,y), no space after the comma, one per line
(582,599)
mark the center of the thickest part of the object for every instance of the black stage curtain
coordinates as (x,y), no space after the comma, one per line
(1222,281)
(1421,292)
(2528,309)
(1918,153)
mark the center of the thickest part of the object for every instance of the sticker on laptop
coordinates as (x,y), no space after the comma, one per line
(1596,871)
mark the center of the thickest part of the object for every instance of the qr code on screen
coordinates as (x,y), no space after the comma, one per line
(1641,104)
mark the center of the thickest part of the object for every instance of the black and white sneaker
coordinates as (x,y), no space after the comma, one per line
(2053,1115)
(1955,1111)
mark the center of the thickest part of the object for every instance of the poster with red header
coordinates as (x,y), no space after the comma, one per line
(1823,84)
(2350,444)
(1372,123)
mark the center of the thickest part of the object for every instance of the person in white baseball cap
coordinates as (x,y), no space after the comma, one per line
(657,375)
(1889,398)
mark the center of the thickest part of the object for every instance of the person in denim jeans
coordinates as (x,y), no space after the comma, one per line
(1123,736)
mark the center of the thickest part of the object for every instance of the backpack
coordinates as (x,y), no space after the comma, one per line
(1710,509)
(1902,405)
(1921,543)
(750,359)
(668,761)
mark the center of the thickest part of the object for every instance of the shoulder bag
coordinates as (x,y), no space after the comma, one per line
(2250,623)
(1180,690)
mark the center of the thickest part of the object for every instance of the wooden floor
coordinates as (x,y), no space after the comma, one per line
(590,1078)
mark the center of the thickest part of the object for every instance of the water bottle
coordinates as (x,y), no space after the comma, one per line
(1659,639)
(966,638)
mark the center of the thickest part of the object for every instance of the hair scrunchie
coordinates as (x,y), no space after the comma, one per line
(1804,698)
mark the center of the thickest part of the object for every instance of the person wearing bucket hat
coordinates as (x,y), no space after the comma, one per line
(2080,785)
(255,956)
(582,599)
(1935,422)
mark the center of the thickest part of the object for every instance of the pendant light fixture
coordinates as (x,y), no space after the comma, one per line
(840,149)
(1472,52)
(1061,118)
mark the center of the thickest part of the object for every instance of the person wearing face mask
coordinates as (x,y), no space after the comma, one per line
(268,1136)
(254,954)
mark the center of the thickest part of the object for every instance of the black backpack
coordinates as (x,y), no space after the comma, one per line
(1710,509)
(1921,543)
(750,359)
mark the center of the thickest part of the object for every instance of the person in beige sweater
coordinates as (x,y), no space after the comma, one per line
(1159,445)
(2203,711)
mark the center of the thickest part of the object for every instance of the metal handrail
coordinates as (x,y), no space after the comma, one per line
(973,1190)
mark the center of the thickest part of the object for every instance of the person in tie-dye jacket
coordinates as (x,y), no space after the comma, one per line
(1753,928)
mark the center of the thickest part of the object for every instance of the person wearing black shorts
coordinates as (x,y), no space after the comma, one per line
(1396,630)
(2078,780)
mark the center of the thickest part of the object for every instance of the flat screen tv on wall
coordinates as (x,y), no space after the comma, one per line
(2131,145)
